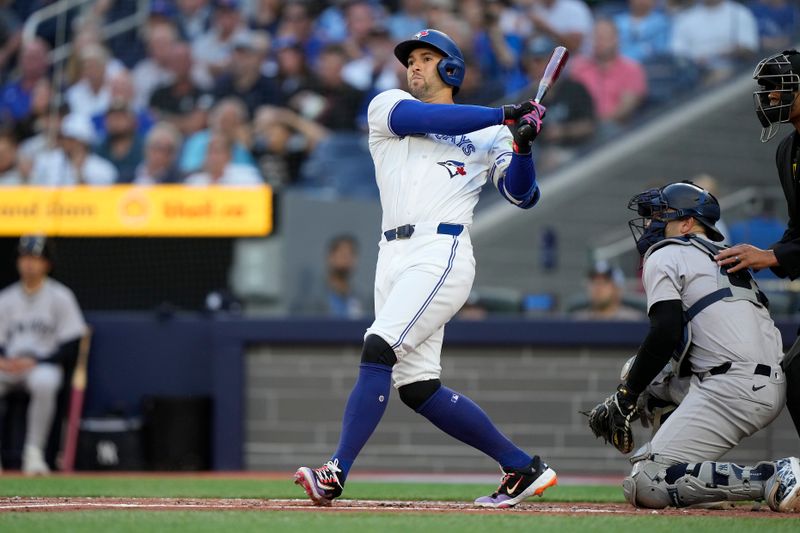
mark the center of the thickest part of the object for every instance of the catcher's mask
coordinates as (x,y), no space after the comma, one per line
(777,74)
(674,201)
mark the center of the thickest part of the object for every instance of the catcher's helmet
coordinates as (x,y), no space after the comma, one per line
(37,245)
(451,68)
(778,73)
(673,201)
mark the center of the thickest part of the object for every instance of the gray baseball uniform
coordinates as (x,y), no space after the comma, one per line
(35,325)
(737,388)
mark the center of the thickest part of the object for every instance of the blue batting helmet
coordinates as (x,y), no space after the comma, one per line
(451,68)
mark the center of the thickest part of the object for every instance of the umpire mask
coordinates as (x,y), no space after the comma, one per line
(777,74)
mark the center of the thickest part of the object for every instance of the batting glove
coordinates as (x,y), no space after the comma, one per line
(527,128)
(513,112)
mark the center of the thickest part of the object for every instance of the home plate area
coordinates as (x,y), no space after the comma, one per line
(60,504)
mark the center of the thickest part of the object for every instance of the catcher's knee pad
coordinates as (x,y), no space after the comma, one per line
(416,394)
(377,350)
(645,487)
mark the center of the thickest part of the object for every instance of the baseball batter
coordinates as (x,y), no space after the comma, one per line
(725,340)
(431,158)
(40,326)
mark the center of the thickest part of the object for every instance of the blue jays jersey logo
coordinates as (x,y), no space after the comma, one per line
(453,167)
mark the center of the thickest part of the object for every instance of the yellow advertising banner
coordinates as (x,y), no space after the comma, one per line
(137,211)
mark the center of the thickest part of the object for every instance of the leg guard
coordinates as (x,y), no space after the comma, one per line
(376,350)
(416,394)
(654,485)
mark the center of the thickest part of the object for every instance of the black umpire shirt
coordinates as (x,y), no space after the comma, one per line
(787,250)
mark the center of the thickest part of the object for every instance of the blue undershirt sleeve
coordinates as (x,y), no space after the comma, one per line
(413,116)
(520,180)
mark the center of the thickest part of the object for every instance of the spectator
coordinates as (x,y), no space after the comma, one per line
(332,102)
(213,50)
(229,118)
(715,47)
(46,138)
(778,23)
(218,168)
(73,163)
(294,74)
(245,79)
(376,71)
(9,173)
(91,94)
(360,19)
(408,20)
(181,102)
(571,119)
(644,31)
(282,140)
(298,24)
(336,297)
(120,89)
(89,36)
(15,96)
(617,84)
(123,145)
(478,90)
(161,148)
(40,99)
(153,71)
(498,53)
(194,18)
(604,291)
(566,22)
(40,330)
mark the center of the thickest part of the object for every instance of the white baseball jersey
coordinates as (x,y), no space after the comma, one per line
(36,324)
(431,178)
(735,331)
(422,281)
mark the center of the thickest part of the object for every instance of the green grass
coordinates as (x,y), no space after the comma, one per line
(246,521)
(263,521)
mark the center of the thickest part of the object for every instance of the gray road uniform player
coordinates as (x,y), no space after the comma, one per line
(40,323)
(725,343)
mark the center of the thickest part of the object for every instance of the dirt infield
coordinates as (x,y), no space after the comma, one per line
(60,504)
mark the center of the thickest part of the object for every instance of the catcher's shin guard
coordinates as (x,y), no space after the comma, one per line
(655,486)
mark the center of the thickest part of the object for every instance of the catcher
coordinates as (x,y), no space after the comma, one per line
(715,329)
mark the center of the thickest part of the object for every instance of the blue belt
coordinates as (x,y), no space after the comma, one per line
(405,232)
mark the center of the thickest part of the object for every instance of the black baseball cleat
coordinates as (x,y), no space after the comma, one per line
(321,484)
(520,484)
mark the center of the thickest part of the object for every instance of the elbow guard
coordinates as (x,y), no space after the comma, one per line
(526,201)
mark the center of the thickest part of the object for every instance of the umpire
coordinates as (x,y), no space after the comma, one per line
(778,101)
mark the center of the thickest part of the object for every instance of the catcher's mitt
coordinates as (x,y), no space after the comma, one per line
(612,419)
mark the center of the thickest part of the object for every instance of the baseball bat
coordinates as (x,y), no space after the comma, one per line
(76,403)
(552,71)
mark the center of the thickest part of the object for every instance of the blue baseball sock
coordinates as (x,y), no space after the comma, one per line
(461,418)
(365,407)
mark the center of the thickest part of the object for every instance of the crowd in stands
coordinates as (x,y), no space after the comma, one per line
(250,91)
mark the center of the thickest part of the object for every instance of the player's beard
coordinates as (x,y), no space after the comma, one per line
(421,91)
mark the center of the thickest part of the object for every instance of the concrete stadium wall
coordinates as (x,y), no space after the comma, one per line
(279,388)
(295,397)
